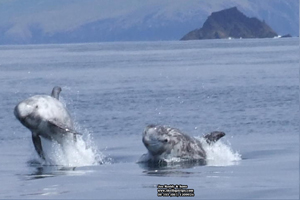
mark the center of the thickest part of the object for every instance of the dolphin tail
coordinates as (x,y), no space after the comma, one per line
(38,145)
(213,136)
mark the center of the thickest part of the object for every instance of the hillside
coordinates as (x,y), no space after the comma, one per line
(231,23)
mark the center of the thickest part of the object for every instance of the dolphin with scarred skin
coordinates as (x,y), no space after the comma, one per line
(166,143)
(45,116)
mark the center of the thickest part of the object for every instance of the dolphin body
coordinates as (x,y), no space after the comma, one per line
(45,116)
(166,143)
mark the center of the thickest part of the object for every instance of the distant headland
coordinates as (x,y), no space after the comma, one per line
(231,23)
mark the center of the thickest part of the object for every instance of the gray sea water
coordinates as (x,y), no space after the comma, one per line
(247,88)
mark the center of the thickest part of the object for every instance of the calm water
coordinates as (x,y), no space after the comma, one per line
(246,88)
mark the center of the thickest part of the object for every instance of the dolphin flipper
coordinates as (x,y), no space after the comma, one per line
(38,145)
(57,127)
(55,92)
(214,136)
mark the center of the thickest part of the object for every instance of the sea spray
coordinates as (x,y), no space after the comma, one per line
(219,153)
(70,153)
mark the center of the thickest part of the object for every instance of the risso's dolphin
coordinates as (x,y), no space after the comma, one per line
(165,143)
(45,116)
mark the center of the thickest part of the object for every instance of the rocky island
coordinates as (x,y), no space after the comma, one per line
(231,23)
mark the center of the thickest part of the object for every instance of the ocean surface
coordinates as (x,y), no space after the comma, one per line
(247,88)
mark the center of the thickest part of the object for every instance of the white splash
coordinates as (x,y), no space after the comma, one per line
(71,154)
(219,154)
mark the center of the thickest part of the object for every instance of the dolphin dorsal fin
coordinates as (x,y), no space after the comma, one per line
(214,136)
(55,92)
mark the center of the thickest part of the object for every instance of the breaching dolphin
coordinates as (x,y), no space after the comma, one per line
(45,116)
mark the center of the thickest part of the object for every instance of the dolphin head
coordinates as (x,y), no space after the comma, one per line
(27,112)
(157,140)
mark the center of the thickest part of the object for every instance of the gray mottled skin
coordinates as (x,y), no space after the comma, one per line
(45,116)
(164,143)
